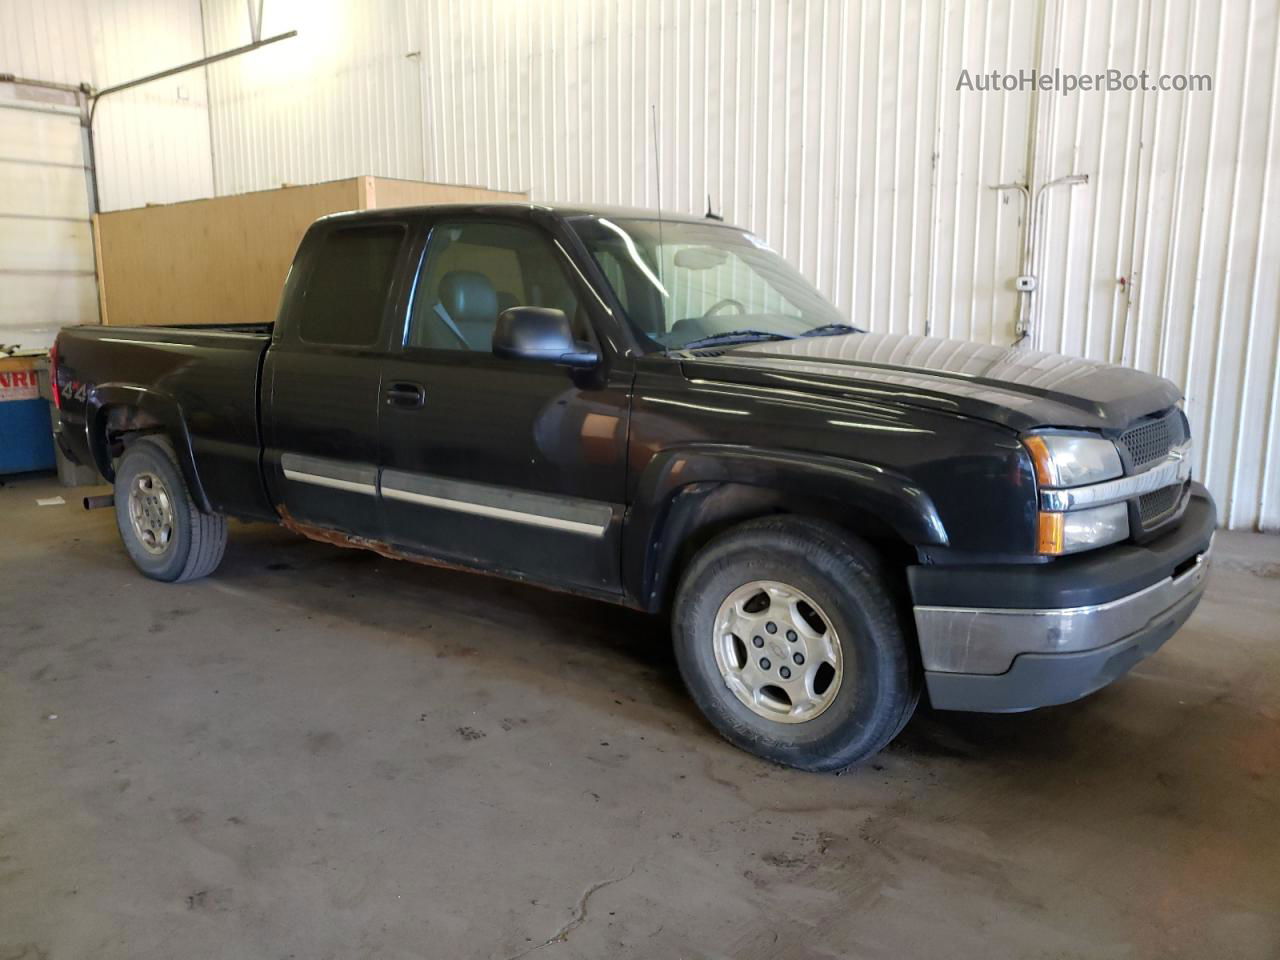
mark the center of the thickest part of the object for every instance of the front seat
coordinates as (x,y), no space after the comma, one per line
(468,308)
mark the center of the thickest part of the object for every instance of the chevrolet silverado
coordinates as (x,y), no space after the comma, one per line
(661,412)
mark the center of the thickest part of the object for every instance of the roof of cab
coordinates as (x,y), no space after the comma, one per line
(569,211)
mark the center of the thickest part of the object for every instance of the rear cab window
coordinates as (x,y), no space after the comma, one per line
(345,297)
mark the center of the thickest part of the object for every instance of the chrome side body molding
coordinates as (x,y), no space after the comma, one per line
(334,474)
(586,517)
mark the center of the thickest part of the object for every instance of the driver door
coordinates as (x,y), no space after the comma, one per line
(515,466)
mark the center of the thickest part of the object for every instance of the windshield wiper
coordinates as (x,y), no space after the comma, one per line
(733,336)
(831,330)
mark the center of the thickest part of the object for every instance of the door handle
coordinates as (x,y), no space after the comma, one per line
(406,395)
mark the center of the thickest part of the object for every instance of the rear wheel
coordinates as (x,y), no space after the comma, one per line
(166,535)
(792,643)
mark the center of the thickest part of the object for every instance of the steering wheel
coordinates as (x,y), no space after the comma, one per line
(721,304)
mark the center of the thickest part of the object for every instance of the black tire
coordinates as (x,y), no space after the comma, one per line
(197,540)
(849,582)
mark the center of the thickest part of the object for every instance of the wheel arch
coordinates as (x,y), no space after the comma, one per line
(687,496)
(118,413)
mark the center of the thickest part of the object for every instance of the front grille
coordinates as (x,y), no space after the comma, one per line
(1142,446)
(1151,440)
(1158,506)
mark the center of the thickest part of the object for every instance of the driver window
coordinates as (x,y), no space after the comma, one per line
(474,271)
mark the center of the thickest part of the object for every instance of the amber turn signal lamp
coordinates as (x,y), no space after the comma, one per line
(1049,540)
(1040,458)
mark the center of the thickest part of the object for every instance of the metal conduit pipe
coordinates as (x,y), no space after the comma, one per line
(95,98)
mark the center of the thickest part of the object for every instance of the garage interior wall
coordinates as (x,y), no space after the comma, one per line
(833,128)
(152,144)
(152,141)
(46,246)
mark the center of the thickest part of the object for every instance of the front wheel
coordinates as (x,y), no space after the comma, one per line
(167,536)
(790,641)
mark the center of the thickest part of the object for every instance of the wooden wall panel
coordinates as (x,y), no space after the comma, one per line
(384,193)
(224,260)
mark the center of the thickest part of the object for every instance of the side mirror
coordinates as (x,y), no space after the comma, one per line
(540,333)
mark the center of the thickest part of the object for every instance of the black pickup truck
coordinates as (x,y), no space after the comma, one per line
(660,412)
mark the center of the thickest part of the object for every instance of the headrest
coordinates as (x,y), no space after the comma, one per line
(468,297)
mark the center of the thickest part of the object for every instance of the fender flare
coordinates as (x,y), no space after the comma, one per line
(675,485)
(163,409)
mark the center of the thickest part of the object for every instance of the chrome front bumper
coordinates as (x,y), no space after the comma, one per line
(1004,659)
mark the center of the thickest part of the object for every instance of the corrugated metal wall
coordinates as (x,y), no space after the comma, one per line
(46,246)
(834,129)
(1169,259)
(152,142)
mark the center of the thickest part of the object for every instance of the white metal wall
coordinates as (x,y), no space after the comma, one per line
(828,128)
(46,252)
(1169,260)
(152,142)
(836,131)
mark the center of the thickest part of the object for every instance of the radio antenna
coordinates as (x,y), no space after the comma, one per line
(657,169)
(657,185)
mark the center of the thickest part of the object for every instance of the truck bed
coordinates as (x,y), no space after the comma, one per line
(200,382)
(177,332)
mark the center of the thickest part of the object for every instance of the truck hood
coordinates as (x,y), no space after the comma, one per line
(1019,389)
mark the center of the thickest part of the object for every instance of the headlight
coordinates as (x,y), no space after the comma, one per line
(1075,460)
(1083,529)
(1072,459)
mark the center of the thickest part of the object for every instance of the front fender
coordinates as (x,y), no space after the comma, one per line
(153,407)
(673,493)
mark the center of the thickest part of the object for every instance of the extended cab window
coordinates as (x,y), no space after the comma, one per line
(346,293)
(474,271)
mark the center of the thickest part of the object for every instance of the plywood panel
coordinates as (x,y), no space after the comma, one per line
(224,260)
(221,260)
(386,193)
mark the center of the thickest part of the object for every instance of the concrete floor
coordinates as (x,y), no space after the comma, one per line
(321,753)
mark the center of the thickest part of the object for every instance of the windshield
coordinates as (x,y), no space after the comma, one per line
(684,283)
